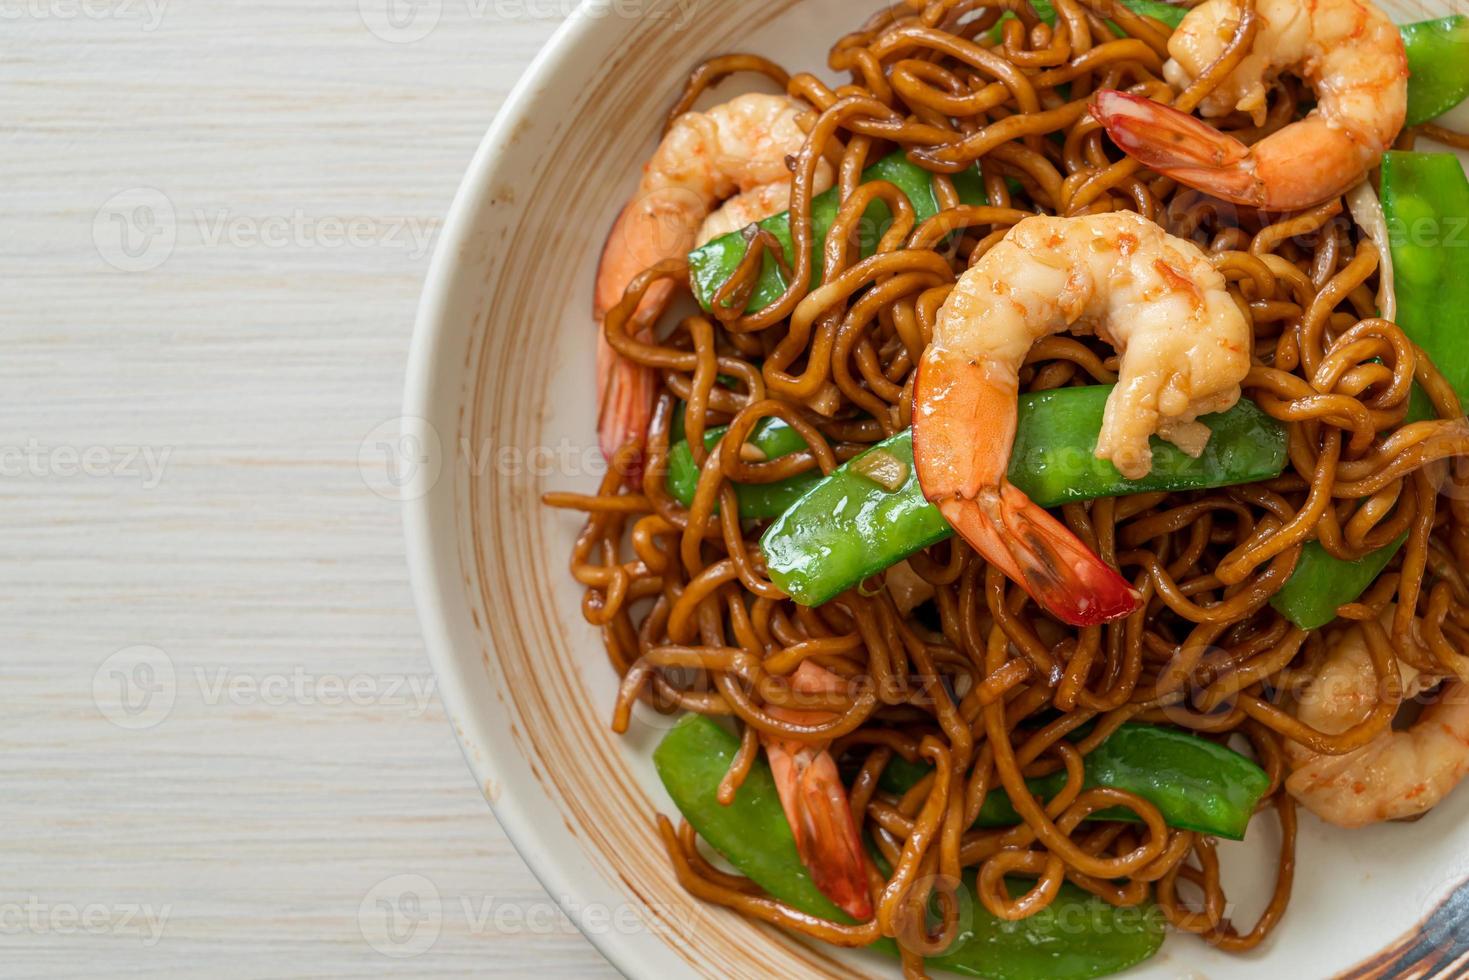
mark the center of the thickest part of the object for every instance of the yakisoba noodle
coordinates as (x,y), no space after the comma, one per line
(984,686)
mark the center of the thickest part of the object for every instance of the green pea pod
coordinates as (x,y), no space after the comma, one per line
(1056,434)
(1078,937)
(711,264)
(1051,460)
(1196,784)
(757,500)
(1075,937)
(1438,66)
(848,527)
(1322,582)
(1425,198)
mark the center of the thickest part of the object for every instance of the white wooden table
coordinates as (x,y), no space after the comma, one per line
(220,748)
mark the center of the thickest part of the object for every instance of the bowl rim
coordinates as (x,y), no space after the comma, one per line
(432,569)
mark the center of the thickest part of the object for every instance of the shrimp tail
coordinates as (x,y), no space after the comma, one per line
(625,395)
(1040,553)
(625,389)
(815,801)
(963,431)
(1180,146)
(820,817)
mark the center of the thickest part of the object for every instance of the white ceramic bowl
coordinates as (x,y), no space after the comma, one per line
(500,397)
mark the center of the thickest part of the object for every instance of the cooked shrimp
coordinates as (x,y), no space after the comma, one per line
(815,801)
(1185,349)
(1348,51)
(1399,773)
(744,209)
(736,150)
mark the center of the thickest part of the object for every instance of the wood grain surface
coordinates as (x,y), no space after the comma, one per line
(221,751)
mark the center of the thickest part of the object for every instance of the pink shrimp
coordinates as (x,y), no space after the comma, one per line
(735,151)
(1400,773)
(1348,51)
(1185,349)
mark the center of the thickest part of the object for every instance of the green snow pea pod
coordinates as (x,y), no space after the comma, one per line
(757,500)
(1425,198)
(848,527)
(1196,784)
(1438,66)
